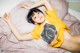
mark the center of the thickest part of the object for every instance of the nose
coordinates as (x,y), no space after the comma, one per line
(39,15)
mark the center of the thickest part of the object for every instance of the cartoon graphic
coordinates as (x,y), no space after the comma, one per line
(48,33)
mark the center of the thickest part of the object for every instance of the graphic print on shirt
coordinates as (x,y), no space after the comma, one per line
(48,33)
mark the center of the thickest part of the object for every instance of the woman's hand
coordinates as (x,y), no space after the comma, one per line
(25,6)
(6,17)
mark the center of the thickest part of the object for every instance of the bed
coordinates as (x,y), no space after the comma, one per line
(9,43)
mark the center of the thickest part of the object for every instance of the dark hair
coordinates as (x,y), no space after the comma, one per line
(31,14)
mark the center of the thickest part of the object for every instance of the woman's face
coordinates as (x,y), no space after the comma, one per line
(38,17)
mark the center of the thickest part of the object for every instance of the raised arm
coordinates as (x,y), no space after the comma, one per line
(19,36)
(40,3)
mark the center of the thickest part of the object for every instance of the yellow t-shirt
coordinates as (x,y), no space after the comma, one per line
(54,22)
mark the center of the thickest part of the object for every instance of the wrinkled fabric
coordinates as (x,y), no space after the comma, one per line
(73,23)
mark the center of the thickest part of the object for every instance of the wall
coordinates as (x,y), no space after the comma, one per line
(74,4)
(7,5)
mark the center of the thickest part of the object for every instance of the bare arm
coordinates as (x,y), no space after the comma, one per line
(42,2)
(15,31)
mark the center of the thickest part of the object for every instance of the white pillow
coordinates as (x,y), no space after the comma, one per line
(18,17)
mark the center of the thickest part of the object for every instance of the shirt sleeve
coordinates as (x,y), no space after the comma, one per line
(56,20)
(35,33)
(52,13)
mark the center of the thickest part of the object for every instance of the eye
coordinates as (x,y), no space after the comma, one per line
(38,12)
(34,17)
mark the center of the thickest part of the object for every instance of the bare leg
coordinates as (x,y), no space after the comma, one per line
(75,52)
(76,38)
(71,43)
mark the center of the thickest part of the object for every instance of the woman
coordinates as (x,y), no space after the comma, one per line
(48,27)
